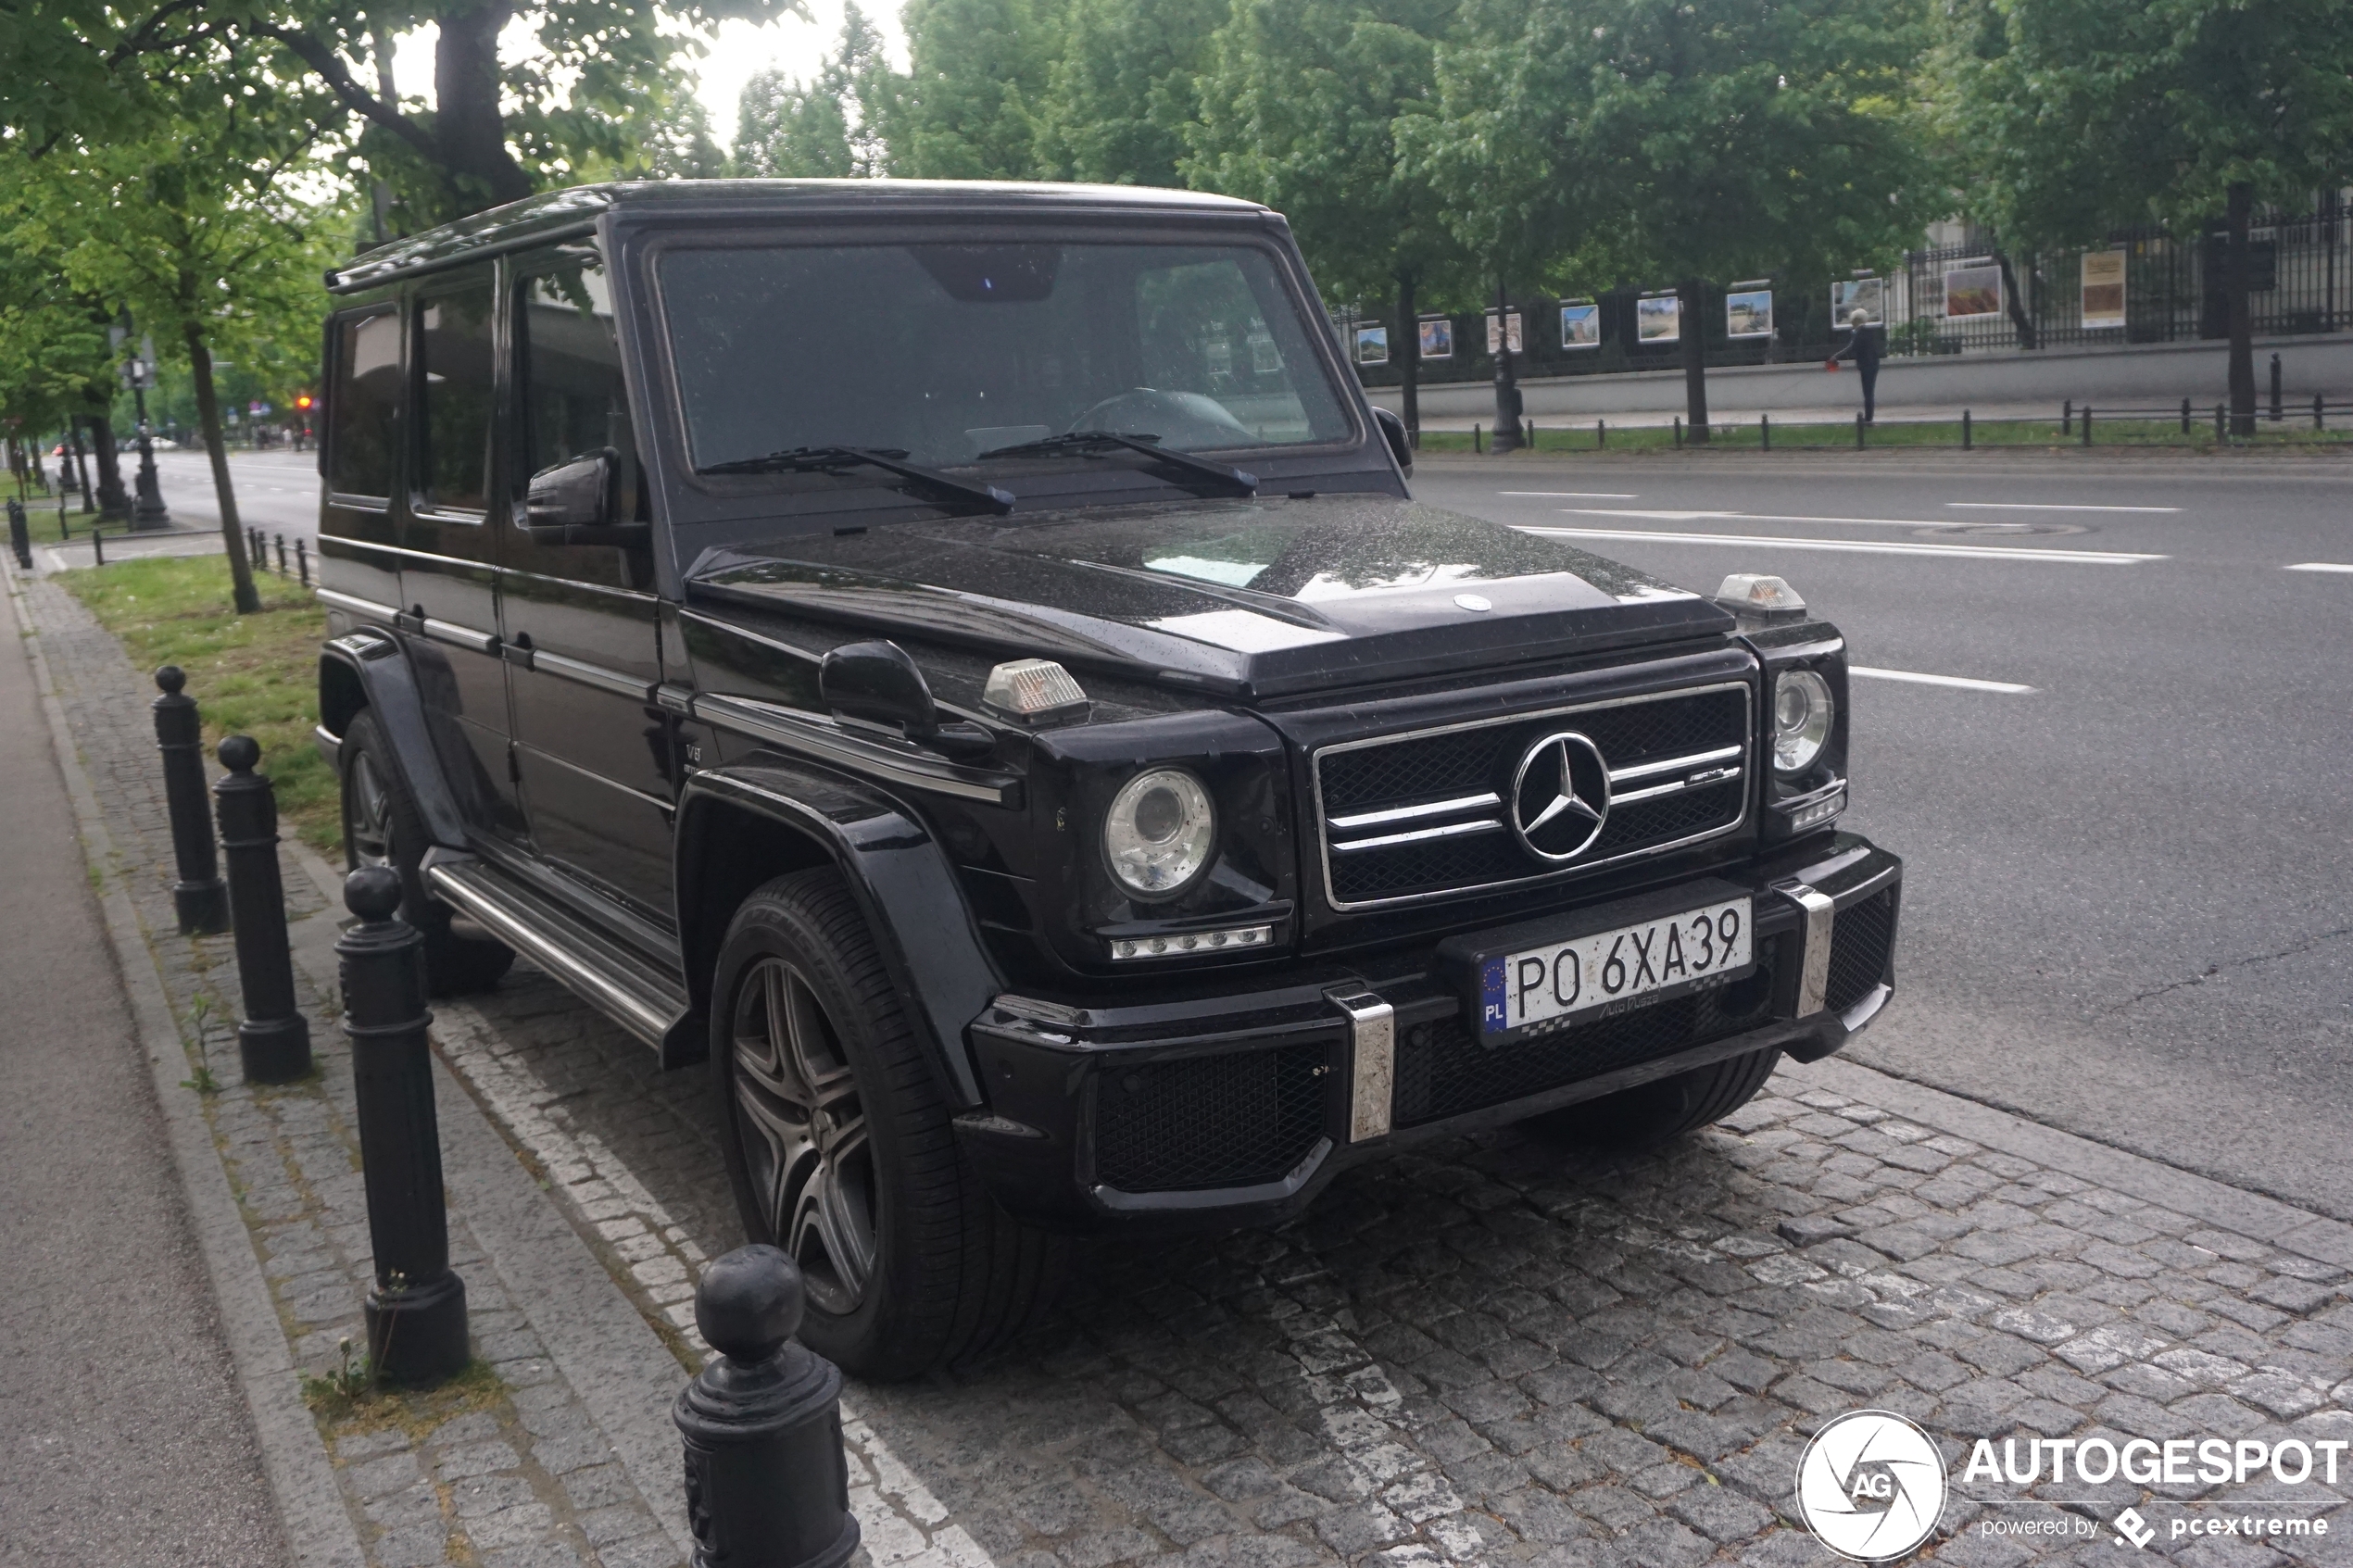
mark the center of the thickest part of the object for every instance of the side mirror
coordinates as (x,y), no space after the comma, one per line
(1400,445)
(574,503)
(877,682)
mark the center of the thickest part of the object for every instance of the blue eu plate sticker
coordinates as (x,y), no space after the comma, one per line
(1491,997)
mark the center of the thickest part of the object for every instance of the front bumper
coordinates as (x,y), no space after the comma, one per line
(1238,1108)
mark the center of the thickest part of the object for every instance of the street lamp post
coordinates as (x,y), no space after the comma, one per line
(149,510)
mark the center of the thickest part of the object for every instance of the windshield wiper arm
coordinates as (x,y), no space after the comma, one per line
(816,459)
(1233,480)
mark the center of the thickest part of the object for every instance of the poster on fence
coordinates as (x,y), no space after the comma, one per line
(1972,290)
(1511,334)
(1866,294)
(1581,324)
(1748,312)
(1438,337)
(1372,346)
(2103,288)
(1658,318)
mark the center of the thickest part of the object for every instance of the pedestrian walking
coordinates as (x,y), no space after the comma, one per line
(1863,347)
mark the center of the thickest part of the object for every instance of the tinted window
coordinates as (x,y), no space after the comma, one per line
(456,383)
(568,365)
(366,403)
(945,351)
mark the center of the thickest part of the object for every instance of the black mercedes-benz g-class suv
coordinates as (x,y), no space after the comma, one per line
(963,659)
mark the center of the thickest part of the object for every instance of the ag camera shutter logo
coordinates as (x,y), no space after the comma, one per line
(1871,1486)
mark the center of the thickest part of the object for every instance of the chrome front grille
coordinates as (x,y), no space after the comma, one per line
(1427,814)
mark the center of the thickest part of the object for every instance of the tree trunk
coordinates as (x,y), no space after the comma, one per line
(2021,320)
(1693,328)
(2241,213)
(1507,404)
(232,533)
(80,467)
(113,501)
(1409,356)
(467,125)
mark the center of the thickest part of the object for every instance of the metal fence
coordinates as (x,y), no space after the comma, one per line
(1954,299)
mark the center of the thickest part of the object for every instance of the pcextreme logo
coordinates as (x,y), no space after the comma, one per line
(1871,1486)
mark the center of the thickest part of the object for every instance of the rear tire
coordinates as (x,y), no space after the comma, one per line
(382,827)
(839,1149)
(1652,1114)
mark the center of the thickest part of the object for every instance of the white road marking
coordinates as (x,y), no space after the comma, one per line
(1964,683)
(2318,566)
(2051,506)
(1936,522)
(1777,541)
(1577,494)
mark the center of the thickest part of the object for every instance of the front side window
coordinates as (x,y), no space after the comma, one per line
(456,383)
(364,403)
(568,373)
(946,352)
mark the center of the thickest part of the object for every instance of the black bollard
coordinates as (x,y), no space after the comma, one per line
(199,896)
(273,1039)
(1765,431)
(282,555)
(1969,438)
(19,535)
(2185,416)
(97,545)
(2084,424)
(1858,430)
(2275,389)
(766,1484)
(302,563)
(416,1311)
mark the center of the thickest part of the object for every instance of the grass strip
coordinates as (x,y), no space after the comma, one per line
(254,674)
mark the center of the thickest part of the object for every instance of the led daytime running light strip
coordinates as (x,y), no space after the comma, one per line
(1193,942)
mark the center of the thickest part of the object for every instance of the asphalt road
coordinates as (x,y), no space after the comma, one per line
(2129,910)
(127,1440)
(2129,902)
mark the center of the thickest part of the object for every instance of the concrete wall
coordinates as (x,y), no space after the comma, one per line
(2147,375)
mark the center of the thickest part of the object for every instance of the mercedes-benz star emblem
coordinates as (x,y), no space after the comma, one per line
(1560,797)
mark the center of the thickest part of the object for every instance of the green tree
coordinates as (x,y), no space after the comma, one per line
(1123,92)
(978,69)
(504,121)
(194,230)
(1302,107)
(2079,117)
(814,130)
(1695,140)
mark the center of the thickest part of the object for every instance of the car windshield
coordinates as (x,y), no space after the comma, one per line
(941,353)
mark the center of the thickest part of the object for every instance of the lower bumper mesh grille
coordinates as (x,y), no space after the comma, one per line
(1209,1122)
(1443,1071)
(1859,940)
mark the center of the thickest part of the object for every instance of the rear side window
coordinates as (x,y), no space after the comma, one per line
(366,403)
(456,384)
(568,370)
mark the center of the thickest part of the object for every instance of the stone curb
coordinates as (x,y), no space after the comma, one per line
(2248,1213)
(319,1529)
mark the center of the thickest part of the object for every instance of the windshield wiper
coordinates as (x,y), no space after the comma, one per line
(1231,481)
(819,459)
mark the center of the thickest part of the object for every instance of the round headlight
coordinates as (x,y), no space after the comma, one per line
(1802,715)
(1160,832)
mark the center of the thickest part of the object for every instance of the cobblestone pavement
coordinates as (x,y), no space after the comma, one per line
(1495,1350)
(1498,1350)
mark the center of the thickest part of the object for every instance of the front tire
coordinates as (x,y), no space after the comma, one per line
(839,1149)
(383,827)
(1653,1115)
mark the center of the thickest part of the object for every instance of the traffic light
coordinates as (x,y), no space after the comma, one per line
(302,401)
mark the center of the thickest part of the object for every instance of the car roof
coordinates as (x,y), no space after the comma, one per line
(575,210)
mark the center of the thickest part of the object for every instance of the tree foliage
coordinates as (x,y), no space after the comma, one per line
(968,107)
(818,129)
(1122,95)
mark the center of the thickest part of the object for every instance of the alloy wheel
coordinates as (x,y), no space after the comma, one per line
(804,1133)
(368,815)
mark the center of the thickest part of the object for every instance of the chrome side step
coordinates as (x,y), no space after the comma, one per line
(613,979)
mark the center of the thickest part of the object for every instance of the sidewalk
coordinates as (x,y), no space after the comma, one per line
(1489,1350)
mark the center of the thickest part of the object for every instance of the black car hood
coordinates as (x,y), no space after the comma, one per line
(1259,597)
